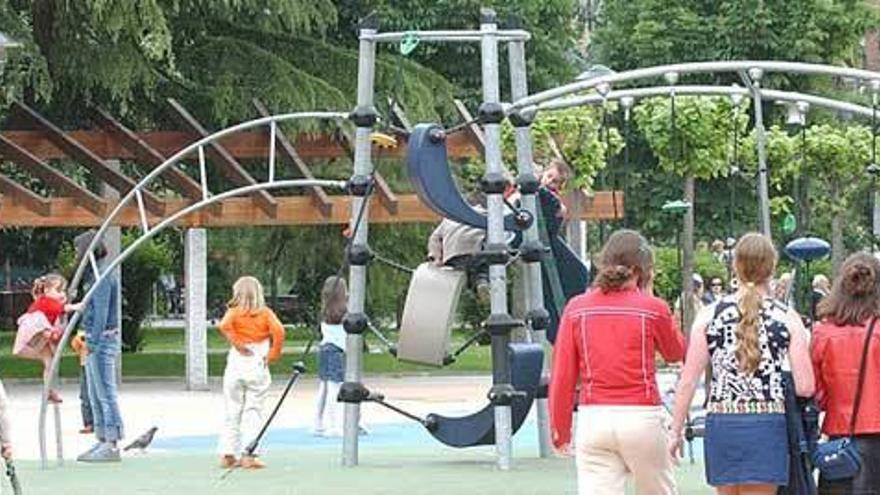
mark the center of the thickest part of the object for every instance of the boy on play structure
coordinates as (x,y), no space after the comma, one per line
(456,245)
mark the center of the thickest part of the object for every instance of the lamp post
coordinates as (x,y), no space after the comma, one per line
(873,168)
(736,99)
(679,208)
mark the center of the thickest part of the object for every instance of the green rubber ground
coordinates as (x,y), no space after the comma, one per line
(317,471)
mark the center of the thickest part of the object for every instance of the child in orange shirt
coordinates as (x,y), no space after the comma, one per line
(78,342)
(256,337)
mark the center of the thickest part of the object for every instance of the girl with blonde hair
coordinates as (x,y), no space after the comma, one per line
(747,338)
(256,338)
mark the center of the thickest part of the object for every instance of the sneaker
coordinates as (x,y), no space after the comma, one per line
(228,462)
(87,430)
(54,398)
(363,431)
(104,453)
(88,452)
(251,462)
(332,433)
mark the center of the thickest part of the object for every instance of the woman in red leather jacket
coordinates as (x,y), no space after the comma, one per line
(838,343)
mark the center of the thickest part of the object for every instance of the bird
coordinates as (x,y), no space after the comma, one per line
(143,441)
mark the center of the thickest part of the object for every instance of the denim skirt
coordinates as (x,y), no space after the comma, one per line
(746,448)
(331,363)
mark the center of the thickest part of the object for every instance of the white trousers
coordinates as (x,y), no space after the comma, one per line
(246,382)
(614,442)
(328,411)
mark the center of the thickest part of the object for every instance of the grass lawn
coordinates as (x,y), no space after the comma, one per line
(162,356)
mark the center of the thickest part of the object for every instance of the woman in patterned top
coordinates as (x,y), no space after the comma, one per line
(747,338)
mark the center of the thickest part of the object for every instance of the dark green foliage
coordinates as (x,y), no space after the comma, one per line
(140,272)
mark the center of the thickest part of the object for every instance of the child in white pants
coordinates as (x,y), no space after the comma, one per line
(331,357)
(249,326)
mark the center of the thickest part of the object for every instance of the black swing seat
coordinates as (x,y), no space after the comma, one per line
(479,428)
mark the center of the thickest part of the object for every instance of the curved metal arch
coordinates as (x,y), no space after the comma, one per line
(694,68)
(180,155)
(655,91)
(135,194)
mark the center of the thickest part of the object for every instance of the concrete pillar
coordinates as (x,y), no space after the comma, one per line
(113,243)
(195,273)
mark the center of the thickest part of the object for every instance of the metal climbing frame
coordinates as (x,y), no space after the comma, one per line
(499,322)
(751,72)
(135,195)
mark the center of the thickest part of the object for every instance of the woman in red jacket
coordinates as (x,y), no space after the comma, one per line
(607,340)
(838,344)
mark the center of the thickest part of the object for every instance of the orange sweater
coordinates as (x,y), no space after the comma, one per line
(242,327)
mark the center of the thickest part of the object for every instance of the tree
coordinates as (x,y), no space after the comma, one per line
(693,145)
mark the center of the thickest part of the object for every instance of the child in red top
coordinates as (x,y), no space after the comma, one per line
(39,330)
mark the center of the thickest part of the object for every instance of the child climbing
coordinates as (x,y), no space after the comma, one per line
(39,329)
(256,338)
(456,245)
(331,357)
(78,342)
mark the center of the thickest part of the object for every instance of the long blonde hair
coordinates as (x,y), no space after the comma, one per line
(755,261)
(247,294)
(42,284)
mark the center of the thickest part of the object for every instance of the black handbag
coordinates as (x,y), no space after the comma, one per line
(839,459)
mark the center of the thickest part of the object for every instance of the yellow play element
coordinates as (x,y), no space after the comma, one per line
(383,140)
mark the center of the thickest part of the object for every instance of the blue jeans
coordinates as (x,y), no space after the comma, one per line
(101,378)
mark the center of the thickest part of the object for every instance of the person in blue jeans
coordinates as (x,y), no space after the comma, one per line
(103,340)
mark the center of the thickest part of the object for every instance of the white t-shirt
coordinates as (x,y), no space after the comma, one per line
(333,334)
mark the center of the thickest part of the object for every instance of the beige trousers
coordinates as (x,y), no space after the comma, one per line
(246,382)
(615,442)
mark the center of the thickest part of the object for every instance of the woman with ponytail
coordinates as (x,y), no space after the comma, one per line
(607,340)
(747,338)
(840,343)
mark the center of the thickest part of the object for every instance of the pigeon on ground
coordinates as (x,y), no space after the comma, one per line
(143,441)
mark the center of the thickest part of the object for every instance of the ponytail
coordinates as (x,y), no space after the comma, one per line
(748,353)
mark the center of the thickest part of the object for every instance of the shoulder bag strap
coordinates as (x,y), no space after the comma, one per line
(861,382)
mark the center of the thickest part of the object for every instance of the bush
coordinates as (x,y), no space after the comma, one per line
(140,272)
(667,282)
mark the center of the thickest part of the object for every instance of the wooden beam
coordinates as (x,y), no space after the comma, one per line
(116,179)
(227,163)
(474,132)
(241,145)
(51,176)
(386,196)
(130,140)
(319,196)
(24,201)
(241,212)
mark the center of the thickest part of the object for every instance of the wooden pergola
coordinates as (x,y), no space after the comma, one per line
(33,150)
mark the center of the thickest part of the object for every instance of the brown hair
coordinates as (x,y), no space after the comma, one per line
(626,253)
(754,262)
(855,295)
(562,168)
(41,284)
(334,300)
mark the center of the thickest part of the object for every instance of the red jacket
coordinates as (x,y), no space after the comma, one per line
(608,342)
(836,352)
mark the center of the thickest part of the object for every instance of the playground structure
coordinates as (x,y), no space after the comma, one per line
(505,394)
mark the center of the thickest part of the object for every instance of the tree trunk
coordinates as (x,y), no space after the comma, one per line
(837,247)
(687,306)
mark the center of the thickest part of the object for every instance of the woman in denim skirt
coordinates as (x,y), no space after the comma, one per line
(747,338)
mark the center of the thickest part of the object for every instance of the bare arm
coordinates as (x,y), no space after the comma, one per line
(694,365)
(799,355)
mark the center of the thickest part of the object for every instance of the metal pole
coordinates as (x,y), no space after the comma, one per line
(495,238)
(753,81)
(363,168)
(535,312)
